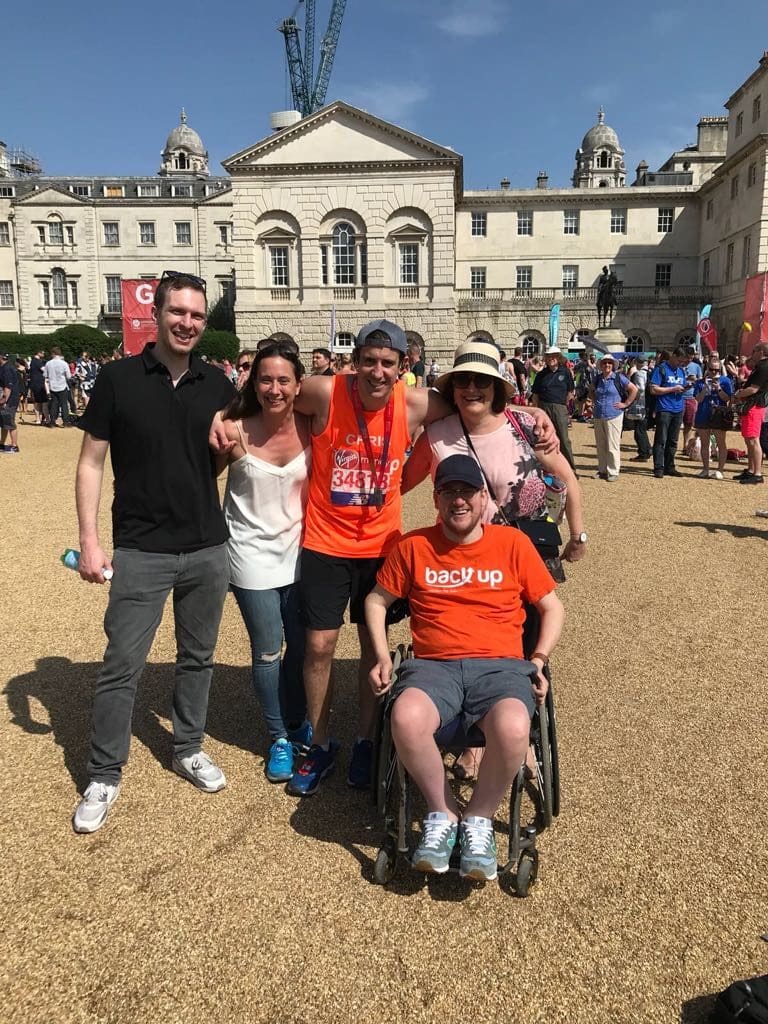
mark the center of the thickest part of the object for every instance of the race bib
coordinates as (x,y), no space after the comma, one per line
(352,482)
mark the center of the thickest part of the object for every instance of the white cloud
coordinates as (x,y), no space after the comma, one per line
(388,100)
(472,18)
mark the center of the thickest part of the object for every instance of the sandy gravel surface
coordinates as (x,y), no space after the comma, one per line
(251,906)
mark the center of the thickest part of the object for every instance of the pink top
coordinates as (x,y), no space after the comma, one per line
(507,461)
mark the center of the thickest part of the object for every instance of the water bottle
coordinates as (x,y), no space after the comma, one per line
(71,559)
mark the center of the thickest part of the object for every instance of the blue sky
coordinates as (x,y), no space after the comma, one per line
(95,88)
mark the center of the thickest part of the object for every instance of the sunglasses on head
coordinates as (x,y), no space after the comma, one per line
(464,378)
(175,275)
(283,346)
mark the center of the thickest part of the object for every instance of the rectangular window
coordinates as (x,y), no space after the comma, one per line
(59,281)
(524,278)
(705,273)
(56,233)
(710,209)
(751,175)
(729,253)
(278,258)
(480,224)
(228,292)
(570,277)
(755,109)
(363,263)
(618,222)
(45,293)
(6,294)
(148,191)
(525,222)
(114,295)
(666,219)
(739,123)
(183,232)
(409,263)
(477,281)
(663,277)
(224,234)
(70,234)
(184,191)
(570,222)
(745,255)
(7,191)
(114,191)
(41,234)
(146,232)
(72,293)
(80,190)
(111,232)
(734,186)
(324,264)
(5,232)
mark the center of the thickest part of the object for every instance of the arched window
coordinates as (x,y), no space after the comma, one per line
(181,162)
(344,254)
(686,339)
(604,160)
(604,183)
(635,343)
(59,287)
(531,345)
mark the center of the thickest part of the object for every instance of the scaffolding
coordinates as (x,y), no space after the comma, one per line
(23,163)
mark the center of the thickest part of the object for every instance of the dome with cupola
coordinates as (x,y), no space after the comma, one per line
(184,152)
(600,158)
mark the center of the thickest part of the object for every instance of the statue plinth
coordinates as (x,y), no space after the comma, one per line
(613,339)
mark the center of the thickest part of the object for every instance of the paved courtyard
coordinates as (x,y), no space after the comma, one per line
(250,906)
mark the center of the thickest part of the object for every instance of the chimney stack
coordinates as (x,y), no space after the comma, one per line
(505,183)
(542,180)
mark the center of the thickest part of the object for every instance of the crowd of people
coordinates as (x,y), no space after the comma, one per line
(310,525)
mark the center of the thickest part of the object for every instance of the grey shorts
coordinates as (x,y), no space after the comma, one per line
(469,687)
(8,417)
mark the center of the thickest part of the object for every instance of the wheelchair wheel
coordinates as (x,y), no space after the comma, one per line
(383,749)
(384,865)
(544,767)
(554,757)
(527,872)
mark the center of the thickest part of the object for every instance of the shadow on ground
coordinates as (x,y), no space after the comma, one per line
(735,530)
(698,1010)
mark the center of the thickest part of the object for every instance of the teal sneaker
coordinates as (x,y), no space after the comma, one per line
(301,738)
(479,859)
(438,839)
(280,761)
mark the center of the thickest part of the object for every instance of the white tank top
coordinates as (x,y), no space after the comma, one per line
(264,510)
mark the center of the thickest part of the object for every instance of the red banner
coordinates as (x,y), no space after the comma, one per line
(708,333)
(138,325)
(755,326)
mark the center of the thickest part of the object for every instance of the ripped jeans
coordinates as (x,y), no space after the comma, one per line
(278,683)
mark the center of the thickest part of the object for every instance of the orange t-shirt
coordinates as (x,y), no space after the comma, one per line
(341,518)
(466,599)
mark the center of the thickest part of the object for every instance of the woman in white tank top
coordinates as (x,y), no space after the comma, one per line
(264,508)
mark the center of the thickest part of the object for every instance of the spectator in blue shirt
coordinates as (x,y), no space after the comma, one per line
(611,394)
(668,384)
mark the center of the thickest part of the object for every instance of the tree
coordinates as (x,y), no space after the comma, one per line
(222,316)
(219,345)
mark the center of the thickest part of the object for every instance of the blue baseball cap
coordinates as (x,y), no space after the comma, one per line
(459,469)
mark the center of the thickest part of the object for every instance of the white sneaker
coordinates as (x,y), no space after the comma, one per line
(704,474)
(201,771)
(716,475)
(93,809)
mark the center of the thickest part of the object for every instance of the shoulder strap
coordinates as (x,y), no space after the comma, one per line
(488,485)
(243,444)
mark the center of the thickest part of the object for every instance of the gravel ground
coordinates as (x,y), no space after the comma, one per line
(251,906)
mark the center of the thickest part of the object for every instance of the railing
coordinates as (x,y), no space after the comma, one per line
(626,298)
(346,294)
(280,294)
(408,292)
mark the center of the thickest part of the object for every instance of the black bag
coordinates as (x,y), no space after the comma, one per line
(721,418)
(743,1002)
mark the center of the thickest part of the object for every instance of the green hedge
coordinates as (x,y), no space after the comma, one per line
(74,339)
(219,345)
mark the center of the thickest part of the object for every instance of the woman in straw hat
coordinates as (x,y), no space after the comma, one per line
(481,427)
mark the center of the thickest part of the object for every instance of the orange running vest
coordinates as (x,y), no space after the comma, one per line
(341,518)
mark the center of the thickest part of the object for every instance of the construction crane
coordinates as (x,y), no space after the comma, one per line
(309,89)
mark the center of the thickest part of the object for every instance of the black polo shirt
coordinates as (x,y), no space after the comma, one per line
(552,386)
(166,498)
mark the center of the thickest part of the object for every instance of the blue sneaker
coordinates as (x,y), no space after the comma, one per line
(313,769)
(301,738)
(438,838)
(359,775)
(280,761)
(478,850)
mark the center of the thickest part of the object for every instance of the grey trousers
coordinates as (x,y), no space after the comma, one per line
(559,416)
(142,582)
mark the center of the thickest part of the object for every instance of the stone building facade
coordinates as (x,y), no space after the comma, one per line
(343,217)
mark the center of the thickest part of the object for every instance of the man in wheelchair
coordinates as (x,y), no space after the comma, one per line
(467,584)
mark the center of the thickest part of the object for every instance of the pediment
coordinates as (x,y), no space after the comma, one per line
(339,134)
(50,195)
(407,231)
(276,234)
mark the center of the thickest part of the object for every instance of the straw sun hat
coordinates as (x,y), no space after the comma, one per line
(476,357)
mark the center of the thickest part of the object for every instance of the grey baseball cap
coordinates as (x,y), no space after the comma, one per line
(395,334)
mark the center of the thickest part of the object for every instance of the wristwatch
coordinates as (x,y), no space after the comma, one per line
(581,538)
(543,658)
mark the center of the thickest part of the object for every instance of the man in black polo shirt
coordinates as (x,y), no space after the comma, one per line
(552,389)
(153,412)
